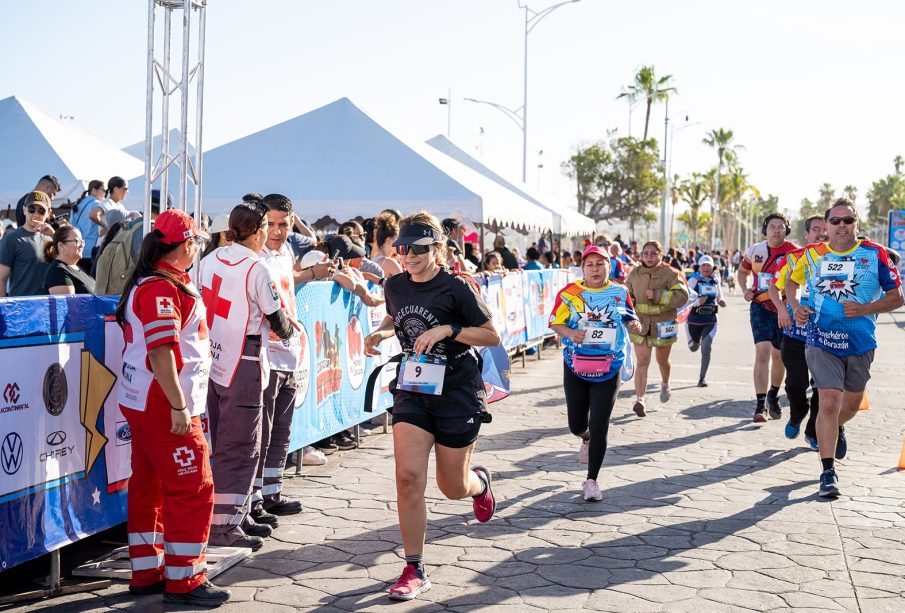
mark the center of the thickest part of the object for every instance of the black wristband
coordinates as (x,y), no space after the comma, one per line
(456,328)
(175,409)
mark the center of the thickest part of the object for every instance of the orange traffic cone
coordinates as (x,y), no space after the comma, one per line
(902,458)
(865,402)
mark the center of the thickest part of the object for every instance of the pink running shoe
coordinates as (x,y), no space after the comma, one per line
(583,451)
(592,490)
(411,583)
(485,504)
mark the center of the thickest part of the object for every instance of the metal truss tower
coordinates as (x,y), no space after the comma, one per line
(163,84)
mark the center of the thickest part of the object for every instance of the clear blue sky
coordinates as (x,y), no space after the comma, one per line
(813,90)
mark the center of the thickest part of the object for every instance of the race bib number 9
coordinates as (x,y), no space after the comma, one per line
(423,374)
(844,269)
(599,336)
(667,329)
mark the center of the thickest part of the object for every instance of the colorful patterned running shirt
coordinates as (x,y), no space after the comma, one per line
(765,262)
(797,331)
(602,312)
(862,274)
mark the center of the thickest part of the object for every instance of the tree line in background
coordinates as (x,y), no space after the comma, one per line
(623,178)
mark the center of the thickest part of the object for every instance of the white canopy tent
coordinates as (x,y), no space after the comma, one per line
(337,161)
(566,221)
(34,144)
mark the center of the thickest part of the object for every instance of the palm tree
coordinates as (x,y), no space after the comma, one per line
(693,193)
(721,140)
(649,87)
(850,192)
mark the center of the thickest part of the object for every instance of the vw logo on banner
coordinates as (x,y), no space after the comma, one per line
(11,453)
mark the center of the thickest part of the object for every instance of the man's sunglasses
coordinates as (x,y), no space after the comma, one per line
(416,249)
(36,209)
(835,221)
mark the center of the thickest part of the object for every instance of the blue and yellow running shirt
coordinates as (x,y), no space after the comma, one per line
(862,274)
(797,331)
(602,312)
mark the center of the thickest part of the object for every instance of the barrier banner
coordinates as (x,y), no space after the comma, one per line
(61,470)
(539,300)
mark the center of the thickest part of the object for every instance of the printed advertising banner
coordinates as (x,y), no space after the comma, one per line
(65,448)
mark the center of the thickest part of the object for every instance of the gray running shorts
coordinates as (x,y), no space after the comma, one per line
(829,371)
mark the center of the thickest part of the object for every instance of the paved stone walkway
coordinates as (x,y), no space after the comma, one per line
(702,511)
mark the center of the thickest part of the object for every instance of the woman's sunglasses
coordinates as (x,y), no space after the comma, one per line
(835,221)
(416,249)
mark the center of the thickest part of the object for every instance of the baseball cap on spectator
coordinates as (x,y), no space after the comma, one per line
(595,249)
(155,200)
(342,246)
(39,198)
(219,224)
(311,258)
(177,226)
(705,259)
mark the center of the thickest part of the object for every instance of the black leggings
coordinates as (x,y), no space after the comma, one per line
(797,381)
(589,406)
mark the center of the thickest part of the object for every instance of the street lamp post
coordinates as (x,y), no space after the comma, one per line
(532,18)
(668,192)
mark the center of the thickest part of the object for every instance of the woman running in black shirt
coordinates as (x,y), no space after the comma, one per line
(438,395)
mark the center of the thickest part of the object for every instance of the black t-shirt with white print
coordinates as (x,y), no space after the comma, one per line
(444,300)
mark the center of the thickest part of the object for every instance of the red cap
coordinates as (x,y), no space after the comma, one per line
(177,227)
(595,249)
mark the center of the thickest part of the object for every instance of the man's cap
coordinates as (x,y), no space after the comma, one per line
(705,259)
(311,258)
(177,226)
(155,200)
(417,234)
(219,224)
(342,246)
(595,249)
(38,198)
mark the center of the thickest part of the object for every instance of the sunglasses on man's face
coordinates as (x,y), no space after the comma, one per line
(416,249)
(849,220)
(37,209)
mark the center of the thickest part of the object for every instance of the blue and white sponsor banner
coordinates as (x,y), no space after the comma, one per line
(61,469)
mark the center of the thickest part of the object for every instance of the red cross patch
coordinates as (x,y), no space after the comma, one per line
(165,307)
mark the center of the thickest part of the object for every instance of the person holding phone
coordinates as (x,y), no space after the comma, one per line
(593,316)
(657,290)
(438,395)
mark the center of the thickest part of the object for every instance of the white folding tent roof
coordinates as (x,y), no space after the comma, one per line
(34,144)
(337,161)
(566,221)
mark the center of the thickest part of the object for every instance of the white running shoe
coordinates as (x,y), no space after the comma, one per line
(313,457)
(583,451)
(664,392)
(592,490)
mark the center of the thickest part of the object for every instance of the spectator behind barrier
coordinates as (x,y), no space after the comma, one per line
(63,252)
(87,217)
(533,257)
(386,229)
(47,184)
(348,258)
(507,259)
(22,252)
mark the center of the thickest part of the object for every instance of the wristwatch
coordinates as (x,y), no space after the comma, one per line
(456,328)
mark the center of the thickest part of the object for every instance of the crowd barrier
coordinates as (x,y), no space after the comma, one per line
(65,447)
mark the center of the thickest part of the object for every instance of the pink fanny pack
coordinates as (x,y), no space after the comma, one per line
(591,364)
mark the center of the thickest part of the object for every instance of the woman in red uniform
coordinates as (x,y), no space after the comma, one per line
(162,392)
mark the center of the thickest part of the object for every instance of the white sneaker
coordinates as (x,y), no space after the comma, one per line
(665,394)
(583,451)
(592,490)
(313,457)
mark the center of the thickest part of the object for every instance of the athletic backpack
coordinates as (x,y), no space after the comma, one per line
(115,263)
